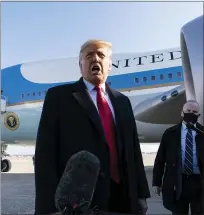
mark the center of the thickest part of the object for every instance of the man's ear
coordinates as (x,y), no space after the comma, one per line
(110,66)
(182,114)
(80,65)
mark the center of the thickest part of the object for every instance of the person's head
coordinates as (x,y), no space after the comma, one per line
(191,111)
(95,61)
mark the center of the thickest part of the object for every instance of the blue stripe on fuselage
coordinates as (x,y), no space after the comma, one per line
(14,85)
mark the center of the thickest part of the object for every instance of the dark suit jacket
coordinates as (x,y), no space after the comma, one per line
(167,167)
(70,123)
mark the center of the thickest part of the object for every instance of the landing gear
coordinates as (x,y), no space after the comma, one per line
(5,163)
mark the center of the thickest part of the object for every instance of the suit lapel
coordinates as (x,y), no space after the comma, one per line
(113,95)
(177,138)
(198,140)
(198,135)
(200,149)
(178,144)
(83,98)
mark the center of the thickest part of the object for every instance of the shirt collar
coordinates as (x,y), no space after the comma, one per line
(90,86)
(185,127)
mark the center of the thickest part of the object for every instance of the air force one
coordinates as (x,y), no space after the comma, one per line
(143,77)
(157,84)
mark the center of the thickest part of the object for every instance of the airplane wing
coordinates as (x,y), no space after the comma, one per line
(163,109)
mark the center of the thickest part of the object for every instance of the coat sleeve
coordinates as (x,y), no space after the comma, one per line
(46,179)
(159,163)
(142,184)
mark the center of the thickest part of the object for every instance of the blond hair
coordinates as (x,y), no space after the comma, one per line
(103,43)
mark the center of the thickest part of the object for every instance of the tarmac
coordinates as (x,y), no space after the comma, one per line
(18,191)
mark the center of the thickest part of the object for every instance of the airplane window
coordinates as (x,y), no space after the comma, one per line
(163,98)
(28,94)
(1,91)
(174,93)
(137,80)
(153,77)
(39,93)
(144,79)
(179,74)
(170,75)
(161,76)
(22,95)
(33,94)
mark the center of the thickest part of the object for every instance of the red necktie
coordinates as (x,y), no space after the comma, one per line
(108,126)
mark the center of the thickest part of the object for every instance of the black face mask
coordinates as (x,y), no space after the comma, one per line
(190,117)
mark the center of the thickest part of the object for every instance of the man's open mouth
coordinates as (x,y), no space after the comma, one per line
(96,69)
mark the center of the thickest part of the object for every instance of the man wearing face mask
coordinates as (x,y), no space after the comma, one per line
(179,165)
(90,115)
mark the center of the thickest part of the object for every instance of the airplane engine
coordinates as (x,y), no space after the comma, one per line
(192,46)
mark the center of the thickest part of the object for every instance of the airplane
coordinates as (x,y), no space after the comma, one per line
(154,82)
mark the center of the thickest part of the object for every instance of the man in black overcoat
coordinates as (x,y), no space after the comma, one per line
(179,165)
(90,115)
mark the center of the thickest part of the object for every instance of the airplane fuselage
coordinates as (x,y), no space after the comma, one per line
(139,76)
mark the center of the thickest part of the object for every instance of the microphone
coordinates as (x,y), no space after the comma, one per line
(191,125)
(75,190)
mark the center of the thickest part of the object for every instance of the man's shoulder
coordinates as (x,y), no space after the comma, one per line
(120,95)
(60,89)
(199,126)
(173,128)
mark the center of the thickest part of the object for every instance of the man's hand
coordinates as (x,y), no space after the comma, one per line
(143,205)
(156,190)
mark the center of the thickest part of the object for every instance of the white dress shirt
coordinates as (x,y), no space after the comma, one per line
(93,93)
(184,131)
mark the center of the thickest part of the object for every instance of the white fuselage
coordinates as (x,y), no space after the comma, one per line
(139,76)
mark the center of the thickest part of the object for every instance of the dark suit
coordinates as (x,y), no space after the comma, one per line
(167,172)
(70,123)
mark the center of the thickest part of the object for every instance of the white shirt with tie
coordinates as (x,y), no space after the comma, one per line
(184,131)
(93,94)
